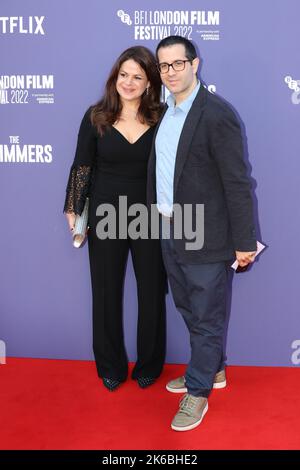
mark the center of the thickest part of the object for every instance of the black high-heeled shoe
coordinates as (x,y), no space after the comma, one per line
(111,384)
(145,381)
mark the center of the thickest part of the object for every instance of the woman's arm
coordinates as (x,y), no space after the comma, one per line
(81,170)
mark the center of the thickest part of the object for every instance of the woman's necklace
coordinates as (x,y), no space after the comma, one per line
(129,116)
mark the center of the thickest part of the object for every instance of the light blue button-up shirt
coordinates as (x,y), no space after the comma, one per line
(166,144)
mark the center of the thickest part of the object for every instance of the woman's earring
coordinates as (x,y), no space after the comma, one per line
(147,91)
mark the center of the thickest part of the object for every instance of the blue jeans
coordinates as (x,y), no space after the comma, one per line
(199,293)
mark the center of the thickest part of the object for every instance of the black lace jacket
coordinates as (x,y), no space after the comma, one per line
(80,177)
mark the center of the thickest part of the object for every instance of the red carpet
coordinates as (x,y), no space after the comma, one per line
(58,404)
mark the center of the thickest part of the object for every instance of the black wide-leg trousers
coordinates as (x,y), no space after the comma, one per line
(108,260)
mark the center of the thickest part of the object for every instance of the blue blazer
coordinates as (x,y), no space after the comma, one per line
(210,169)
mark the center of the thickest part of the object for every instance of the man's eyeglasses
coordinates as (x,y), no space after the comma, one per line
(177,65)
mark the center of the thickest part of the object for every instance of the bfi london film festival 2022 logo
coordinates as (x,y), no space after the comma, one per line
(158,24)
(294,86)
(24,89)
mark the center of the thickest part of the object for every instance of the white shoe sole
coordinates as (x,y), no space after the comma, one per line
(184,389)
(192,426)
(176,390)
(219,384)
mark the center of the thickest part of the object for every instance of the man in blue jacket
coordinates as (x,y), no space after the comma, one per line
(197,159)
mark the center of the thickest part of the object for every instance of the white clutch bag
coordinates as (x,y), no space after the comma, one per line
(81,228)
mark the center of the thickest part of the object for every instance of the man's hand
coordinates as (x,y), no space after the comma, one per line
(245,257)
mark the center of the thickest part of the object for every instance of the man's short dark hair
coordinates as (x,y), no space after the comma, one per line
(190,50)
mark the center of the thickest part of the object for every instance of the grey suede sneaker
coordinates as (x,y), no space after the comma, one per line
(178,385)
(220,379)
(190,414)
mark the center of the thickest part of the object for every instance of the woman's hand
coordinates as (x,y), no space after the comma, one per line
(71,216)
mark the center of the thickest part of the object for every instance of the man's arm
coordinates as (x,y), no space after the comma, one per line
(227,147)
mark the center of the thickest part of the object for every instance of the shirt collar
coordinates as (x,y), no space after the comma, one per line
(186,104)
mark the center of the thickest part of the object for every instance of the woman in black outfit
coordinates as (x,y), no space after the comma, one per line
(113,147)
